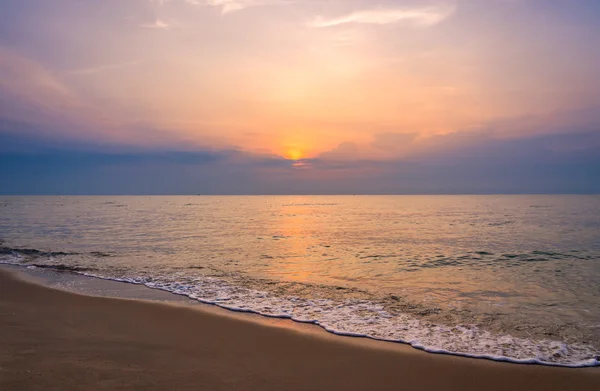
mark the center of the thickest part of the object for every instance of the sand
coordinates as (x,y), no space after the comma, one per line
(57,340)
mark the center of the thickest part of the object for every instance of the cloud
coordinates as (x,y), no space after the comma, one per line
(102,68)
(228,6)
(518,166)
(472,163)
(31,92)
(395,144)
(484,147)
(231,5)
(36,101)
(24,76)
(346,151)
(418,17)
(158,24)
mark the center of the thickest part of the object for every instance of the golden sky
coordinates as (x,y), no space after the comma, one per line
(336,79)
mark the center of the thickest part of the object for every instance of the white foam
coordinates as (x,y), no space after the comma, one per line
(362,318)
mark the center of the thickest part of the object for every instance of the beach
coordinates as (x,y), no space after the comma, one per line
(58,340)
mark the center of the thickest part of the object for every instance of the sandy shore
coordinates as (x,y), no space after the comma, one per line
(56,340)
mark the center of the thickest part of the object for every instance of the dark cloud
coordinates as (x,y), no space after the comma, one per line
(396,143)
(344,151)
(484,148)
(562,157)
(565,163)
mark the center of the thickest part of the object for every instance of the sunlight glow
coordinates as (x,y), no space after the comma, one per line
(294,154)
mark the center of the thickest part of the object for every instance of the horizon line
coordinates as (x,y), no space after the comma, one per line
(283,194)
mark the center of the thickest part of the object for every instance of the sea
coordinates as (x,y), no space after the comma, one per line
(505,277)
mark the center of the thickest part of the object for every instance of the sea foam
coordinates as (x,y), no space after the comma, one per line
(361,318)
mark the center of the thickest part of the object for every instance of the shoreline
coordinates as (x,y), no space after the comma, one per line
(89,284)
(56,339)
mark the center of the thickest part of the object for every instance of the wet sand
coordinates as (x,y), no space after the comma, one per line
(56,340)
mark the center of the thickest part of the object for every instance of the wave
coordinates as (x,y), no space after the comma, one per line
(32,252)
(339,310)
(311,204)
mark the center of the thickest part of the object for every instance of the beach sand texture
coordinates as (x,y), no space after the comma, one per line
(56,340)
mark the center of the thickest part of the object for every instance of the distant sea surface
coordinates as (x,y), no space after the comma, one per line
(513,278)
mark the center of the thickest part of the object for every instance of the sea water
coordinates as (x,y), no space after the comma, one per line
(514,278)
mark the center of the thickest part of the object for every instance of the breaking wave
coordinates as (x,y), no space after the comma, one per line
(345,311)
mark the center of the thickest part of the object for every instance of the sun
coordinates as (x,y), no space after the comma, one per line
(294,154)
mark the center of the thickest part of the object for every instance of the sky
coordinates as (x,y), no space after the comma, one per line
(299,96)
